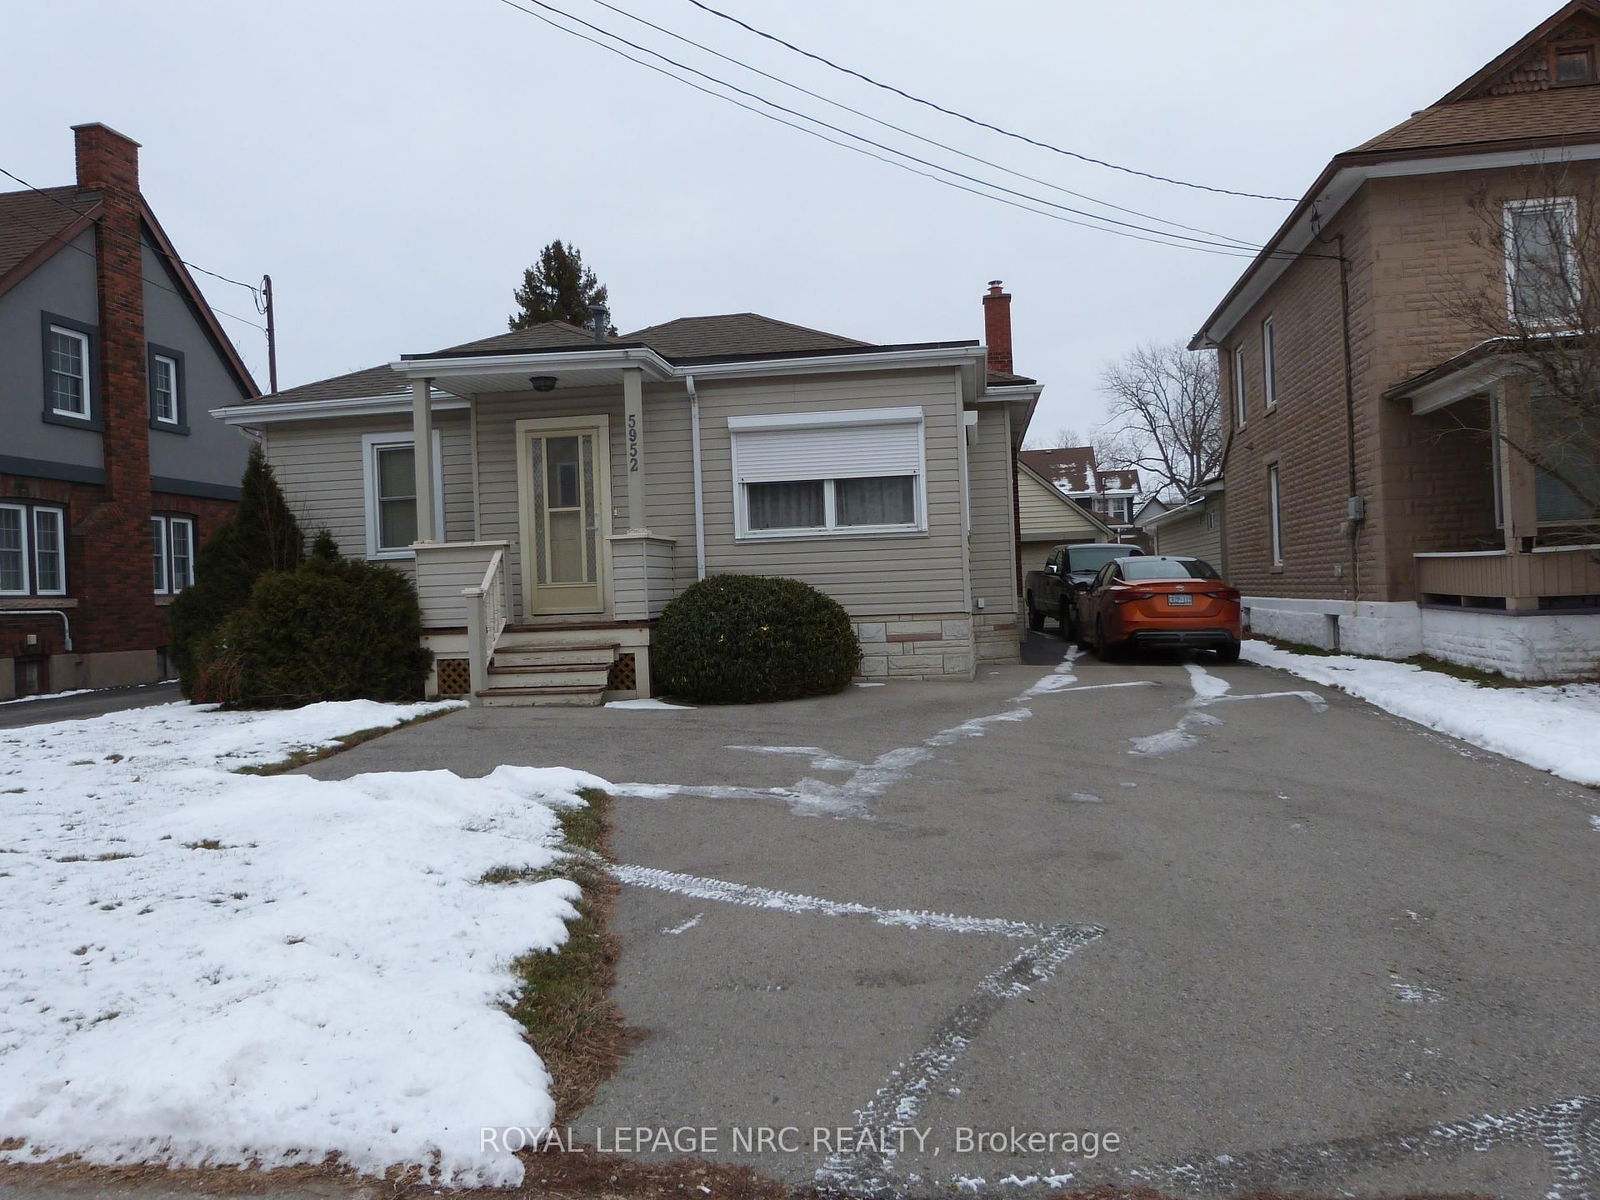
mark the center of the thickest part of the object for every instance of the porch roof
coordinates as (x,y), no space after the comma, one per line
(1469,373)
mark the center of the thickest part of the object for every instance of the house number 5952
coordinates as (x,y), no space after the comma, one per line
(633,443)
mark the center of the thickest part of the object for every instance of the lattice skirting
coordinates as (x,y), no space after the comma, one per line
(455,676)
(624,675)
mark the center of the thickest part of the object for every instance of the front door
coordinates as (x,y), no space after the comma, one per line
(563,474)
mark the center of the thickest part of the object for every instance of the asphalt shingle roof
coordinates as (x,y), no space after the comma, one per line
(734,334)
(1571,114)
(29,219)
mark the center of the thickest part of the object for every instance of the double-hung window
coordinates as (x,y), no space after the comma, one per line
(172,553)
(829,473)
(1543,285)
(33,550)
(1275,515)
(68,371)
(164,368)
(1238,387)
(1269,363)
(390,473)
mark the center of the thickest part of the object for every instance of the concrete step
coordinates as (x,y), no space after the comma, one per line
(549,674)
(542,697)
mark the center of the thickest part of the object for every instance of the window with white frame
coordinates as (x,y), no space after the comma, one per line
(172,554)
(164,385)
(66,380)
(1275,515)
(1269,362)
(826,474)
(1542,272)
(1238,387)
(390,474)
(33,550)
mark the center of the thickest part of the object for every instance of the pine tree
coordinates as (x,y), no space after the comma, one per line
(263,536)
(557,288)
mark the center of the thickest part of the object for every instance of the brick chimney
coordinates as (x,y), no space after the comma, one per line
(115,536)
(997,328)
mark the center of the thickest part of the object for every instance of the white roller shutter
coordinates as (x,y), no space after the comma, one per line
(827,445)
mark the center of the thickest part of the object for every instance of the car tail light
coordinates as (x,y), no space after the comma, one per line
(1224,594)
(1124,597)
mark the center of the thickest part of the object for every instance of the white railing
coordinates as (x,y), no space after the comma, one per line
(488,606)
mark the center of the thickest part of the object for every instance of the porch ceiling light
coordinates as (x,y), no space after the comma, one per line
(543,383)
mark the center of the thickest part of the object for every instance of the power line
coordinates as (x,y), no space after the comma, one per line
(172,257)
(889,87)
(778,79)
(1159,237)
(221,312)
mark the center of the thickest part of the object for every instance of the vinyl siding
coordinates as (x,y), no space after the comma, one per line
(994,537)
(1188,534)
(902,574)
(318,465)
(1048,516)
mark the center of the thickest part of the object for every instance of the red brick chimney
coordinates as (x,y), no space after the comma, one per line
(116,534)
(997,328)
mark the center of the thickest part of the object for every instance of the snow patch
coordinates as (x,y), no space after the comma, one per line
(1414,993)
(676,930)
(650,703)
(208,968)
(1551,728)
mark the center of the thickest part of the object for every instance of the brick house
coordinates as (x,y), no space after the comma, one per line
(1372,503)
(112,470)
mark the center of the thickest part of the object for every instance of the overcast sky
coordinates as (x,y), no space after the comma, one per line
(396,165)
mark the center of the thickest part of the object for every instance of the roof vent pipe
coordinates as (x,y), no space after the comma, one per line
(599,320)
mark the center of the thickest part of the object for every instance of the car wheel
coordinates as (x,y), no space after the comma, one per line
(1035,617)
(1103,650)
(1228,653)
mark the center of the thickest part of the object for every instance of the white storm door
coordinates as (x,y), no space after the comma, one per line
(564,475)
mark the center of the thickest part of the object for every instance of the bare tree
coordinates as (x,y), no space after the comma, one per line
(1163,416)
(1540,313)
(1063,437)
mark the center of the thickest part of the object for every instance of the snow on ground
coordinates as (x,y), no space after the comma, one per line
(1552,728)
(649,703)
(48,696)
(202,967)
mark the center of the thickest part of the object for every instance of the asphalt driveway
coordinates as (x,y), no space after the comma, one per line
(1205,928)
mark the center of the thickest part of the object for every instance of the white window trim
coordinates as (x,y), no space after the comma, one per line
(25,524)
(171,558)
(159,533)
(370,444)
(59,516)
(1275,512)
(1568,206)
(87,378)
(177,407)
(1238,387)
(1269,362)
(812,420)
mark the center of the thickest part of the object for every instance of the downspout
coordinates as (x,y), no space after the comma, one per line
(1349,418)
(699,495)
(66,627)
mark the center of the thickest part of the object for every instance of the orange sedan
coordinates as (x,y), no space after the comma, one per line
(1159,600)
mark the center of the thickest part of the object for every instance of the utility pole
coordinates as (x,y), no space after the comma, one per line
(272,335)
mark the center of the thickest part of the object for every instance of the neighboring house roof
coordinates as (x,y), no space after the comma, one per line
(1035,527)
(37,224)
(33,225)
(1070,468)
(1506,106)
(685,340)
(1152,507)
(1115,481)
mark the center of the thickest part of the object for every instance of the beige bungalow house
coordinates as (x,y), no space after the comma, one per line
(552,488)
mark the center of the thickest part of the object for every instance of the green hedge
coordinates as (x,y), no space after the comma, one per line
(332,629)
(734,639)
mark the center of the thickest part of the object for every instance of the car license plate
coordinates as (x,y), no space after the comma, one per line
(1179,598)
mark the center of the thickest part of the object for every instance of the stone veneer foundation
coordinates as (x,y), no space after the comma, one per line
(938,646)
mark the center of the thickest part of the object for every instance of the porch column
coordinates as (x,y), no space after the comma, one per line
(422,434)
(633,432)
(1519,498)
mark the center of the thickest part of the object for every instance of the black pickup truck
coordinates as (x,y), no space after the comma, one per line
(1051,592)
